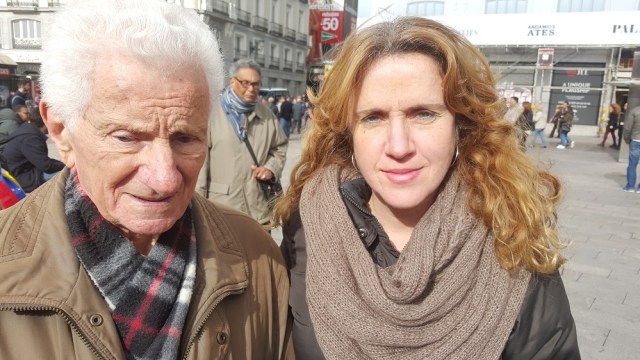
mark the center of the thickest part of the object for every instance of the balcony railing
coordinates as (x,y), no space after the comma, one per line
(27,43)
(274,63)
(56,3)
(22,3)
(244,17)
(221,7)
(276,29)
(300,67)
(288,65)
(260,23)
(241,53)
(260,59)
(301,38)
(289,34)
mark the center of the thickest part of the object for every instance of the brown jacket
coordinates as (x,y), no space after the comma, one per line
(50,308)
(226,176)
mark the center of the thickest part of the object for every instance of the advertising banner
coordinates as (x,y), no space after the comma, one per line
(576,85)
(330,26)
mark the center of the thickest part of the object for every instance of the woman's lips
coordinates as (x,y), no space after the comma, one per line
(401,176)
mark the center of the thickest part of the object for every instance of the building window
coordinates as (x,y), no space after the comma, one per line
(274,11)
(425,8)
(506,6)
(27,34)
(580,5)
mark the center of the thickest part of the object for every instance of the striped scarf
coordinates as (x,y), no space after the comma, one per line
(235,107)
(148,296)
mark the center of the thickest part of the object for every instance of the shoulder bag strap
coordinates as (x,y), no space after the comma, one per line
(245,139)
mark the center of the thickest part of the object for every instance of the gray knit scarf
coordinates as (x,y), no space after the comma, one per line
(445,298)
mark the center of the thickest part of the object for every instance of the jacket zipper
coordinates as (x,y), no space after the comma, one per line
(233,291)
(72,323)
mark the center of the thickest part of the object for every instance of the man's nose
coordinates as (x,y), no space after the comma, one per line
(160,170)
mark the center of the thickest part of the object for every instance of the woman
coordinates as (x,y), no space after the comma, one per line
(612,125)
(540,123)
(554,120)
(413,225)
(566,122)
(524,123)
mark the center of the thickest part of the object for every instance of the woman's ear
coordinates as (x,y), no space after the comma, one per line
(59,133)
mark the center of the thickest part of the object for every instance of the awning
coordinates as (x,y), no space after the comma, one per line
(6,60)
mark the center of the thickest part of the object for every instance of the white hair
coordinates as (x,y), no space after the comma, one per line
(166,37)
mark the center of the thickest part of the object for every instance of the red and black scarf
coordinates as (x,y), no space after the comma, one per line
(148,295)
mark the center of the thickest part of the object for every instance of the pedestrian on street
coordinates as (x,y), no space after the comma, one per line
(540,123)
(631,136)
(513,111)
(27,154)
(555,120)
(403,223)
(298,113)
(116,257)
(229,175)
(565,123)
(612,125)
(10,120)
(23,94)
(286,115)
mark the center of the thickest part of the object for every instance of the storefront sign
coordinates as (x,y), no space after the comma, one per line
(588,28)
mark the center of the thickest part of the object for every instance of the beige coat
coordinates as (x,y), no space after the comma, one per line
(50,308)
(226,175)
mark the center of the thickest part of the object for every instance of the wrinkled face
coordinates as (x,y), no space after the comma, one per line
(404,137)
(246,84)
(140,144)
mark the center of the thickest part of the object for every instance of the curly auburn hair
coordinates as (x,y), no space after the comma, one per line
(515,199)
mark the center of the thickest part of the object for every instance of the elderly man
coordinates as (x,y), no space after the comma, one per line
(116,257)
(241,117)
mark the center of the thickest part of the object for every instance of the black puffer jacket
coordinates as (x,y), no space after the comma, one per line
(544,328)
(28,158)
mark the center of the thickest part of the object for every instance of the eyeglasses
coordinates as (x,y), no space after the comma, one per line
(245,84)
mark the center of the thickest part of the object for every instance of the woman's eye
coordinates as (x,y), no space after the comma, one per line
(371,119)
(426,116)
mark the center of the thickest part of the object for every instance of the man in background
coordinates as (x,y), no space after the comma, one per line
(514,110)
(23,94)
(230,175)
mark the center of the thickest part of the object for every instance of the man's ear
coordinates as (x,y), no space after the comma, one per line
(59,133)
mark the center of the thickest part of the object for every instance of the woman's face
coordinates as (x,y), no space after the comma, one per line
(404,138)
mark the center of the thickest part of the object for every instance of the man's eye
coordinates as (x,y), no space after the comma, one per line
(184,139)
(124,138)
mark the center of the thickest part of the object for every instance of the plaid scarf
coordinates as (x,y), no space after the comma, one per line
(148,295)
(234,106)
